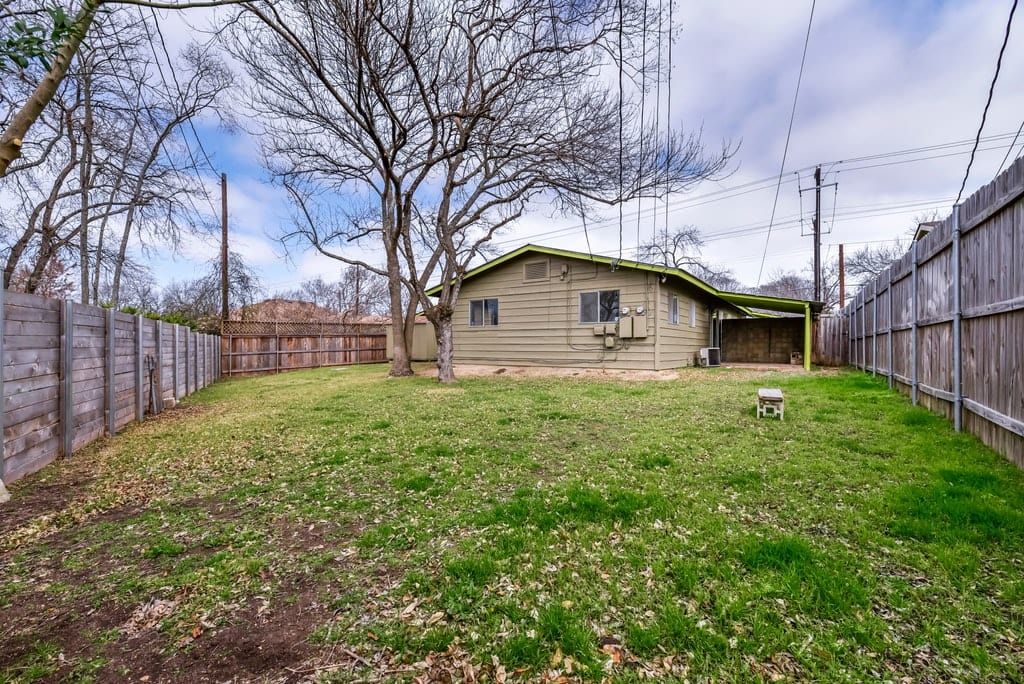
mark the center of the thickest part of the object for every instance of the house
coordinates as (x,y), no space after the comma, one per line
(554,307)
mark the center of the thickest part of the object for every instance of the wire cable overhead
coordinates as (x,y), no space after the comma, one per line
(789,133)
(988,102)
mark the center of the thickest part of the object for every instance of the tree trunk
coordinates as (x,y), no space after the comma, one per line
(85,183)
(13,136)
(401,363)
(445,348)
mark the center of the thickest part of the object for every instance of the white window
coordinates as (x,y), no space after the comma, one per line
(599,307)
(693,314)
(483,312)
(673,310)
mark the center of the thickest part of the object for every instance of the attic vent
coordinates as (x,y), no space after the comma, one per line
(535,270)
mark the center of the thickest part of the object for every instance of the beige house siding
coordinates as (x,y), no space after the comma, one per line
(538,320)
(680,343)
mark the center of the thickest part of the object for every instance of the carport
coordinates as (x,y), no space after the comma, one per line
(764,325)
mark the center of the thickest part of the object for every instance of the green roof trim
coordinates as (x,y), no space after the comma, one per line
(738,300)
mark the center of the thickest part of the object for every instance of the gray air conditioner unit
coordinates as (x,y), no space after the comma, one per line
(710,356)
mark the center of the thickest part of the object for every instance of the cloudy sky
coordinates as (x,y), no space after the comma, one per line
(880,77)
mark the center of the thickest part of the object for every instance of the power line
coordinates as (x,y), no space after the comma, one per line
(177,87)
(761,184)
(789,132)
(620,128)
(668,107)
(181,98)
(988,101)
(925,148)
(643,121)
(568,122)
(1010,148)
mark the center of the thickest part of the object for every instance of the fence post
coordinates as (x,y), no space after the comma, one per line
(864,328)
(195,362)
(109,370)
(159,380)
(188,358)
(201,362)
(849,336)
(277,348)
(892,364)
(3,412)
(67,340)
(140,406)
(874,328)
(174,364)
(958,399)
(913,324)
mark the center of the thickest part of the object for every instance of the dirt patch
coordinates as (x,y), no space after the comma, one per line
(258,636)
(465,370)
(34,496)
(262,641)
(730,372)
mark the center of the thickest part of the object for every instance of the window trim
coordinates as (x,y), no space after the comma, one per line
(673,309)
(618,296)
(485,320)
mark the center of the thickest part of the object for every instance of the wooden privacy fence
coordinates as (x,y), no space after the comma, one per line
(255,347)
(946,321)
(830,340)
(74,373)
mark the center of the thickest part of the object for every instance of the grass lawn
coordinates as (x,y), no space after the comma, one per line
(332,524)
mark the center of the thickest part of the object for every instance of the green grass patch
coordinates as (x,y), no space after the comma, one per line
(519,518)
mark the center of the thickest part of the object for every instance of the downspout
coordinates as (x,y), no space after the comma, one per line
(807,337)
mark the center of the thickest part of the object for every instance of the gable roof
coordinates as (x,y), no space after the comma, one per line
(738,300)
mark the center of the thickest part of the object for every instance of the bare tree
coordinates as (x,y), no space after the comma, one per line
(358,292)
(447,119)
(55,282)
(794,285)
(69,38)
(681,249)
(113,170)
(197,301)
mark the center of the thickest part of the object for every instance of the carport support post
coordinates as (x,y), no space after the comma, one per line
(958,395)
(807,337)
(913,323)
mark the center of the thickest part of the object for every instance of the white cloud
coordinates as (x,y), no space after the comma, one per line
(879,77)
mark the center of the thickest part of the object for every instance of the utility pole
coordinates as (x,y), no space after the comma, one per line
(842,277)
(817,234)
(223,247)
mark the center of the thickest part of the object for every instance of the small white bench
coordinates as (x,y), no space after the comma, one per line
(770,403)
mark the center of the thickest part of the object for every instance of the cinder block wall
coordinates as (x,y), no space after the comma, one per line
(761,340)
